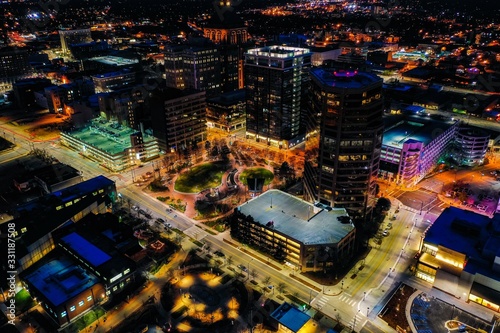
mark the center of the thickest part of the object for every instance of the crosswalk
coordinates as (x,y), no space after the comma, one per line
(357,321)
(347,300)
(196,233)
(321,300)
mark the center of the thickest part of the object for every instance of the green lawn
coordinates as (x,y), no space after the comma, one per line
(199,178)
(257,173)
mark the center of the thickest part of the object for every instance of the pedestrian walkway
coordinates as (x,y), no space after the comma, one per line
(195,233)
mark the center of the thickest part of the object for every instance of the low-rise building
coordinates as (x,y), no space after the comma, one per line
(309,237)
(36,220)
(64,289)
(56,177)
(114,146)
(460,255)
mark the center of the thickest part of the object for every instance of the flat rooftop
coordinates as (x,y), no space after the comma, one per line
(114,60)
(298,219)
(107,136)
(56,173)
(83,188)
(61,279)
(277,51)
(418,129)
(85,249)
(344,78)
(290,317)
(459,230)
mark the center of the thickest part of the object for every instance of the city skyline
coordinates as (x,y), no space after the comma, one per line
(245,166)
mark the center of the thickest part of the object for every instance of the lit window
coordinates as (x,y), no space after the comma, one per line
(89,298)
(72,308)
(81,303)
(63,314)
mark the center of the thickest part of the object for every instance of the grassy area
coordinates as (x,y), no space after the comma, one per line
(24,301)
(200,177)
(217,225)
(88,318)
(256,173)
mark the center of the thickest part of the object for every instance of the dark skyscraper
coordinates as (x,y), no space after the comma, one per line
(275,79)
(349,104)
(229,33)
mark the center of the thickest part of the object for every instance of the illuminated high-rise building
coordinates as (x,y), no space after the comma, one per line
(229,32)
(275,84)
(349,108)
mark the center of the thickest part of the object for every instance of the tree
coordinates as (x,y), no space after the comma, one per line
(383,204)
(266,280)
(253,273)
(281,287)
(230,260)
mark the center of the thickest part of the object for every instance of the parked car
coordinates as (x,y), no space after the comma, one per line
(219,254)
(159,220)
(385,233)
(243,268)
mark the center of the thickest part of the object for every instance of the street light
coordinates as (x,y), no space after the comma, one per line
(367,310)
(248,273)
(421,205)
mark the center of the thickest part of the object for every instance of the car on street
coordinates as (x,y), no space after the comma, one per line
(134,207)
(168,225)
(219,254)
(160,220)
(385,233)
(141,211)
(389,226)
(243,268)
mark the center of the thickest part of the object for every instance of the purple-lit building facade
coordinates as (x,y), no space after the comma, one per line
(412,147)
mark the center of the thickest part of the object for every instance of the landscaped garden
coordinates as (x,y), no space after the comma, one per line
(256,173)
(200,177)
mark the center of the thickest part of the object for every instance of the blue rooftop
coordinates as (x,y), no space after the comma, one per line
(290,317)
(85,249)
(83,188)
(459,230)
(59,280)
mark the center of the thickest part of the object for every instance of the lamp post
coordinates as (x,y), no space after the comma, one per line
(367,310)
(248,273)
